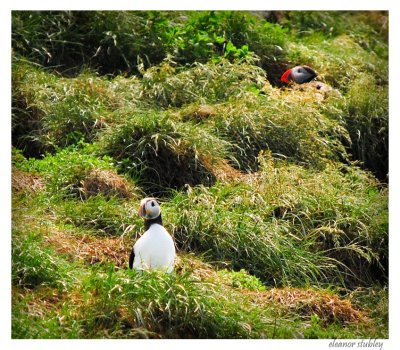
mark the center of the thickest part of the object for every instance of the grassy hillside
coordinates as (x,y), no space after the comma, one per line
(276,196)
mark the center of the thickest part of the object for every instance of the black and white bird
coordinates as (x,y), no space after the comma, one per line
(155,249)
(299,74)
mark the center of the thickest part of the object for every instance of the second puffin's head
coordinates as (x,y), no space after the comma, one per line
(299,74)
(149,208)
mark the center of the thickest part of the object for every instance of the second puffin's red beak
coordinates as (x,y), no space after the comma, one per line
(285,76)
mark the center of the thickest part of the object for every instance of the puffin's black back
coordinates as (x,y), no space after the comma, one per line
(311,72)
(131,258)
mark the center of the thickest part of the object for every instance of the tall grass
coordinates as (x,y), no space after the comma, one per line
(34,265)
(109,41)
(103,302)
(124,42)
(205,83)
(288,226)
(288,125)
(161,153)
(153,304)
(258,117)
(347,64)
(125,304)
(368,124)
(371,33)
(339,61)
(50,112)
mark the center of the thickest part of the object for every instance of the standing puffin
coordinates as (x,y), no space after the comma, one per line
(155,249)
(299,74)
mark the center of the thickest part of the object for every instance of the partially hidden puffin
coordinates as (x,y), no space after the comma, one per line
(299,74)
(155,249)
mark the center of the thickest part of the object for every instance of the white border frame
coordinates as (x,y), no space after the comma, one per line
(5,158)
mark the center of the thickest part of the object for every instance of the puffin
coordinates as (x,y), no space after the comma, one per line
(155,249)
(299,74)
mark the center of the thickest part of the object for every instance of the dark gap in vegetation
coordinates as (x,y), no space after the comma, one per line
(155,152)
(274,70)
(380,270)
(26,125)
(374,158)
(170,171)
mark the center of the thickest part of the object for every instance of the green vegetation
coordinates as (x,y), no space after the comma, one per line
(288,226)
(276,196)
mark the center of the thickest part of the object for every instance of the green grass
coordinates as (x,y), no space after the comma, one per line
(161,153)
(34,266)
(66,170)
(200,300)
(202,82)
(290,227)
(105,216)
(367,122)
(290,126)
(273,194)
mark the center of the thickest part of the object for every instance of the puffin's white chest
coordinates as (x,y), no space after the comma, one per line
(154,250)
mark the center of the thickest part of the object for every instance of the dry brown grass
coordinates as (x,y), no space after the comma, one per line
(222,170)
(106,182)
(39,302)
(198,269)
(306,302)
(91,249)
(307,94)
(23,181)
(199,113)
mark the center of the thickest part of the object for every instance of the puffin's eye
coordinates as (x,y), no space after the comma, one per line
(152,204)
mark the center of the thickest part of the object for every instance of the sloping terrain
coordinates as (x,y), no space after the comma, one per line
(276,195)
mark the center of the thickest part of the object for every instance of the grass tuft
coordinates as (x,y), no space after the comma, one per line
(163,154)
(367,122)
(307,303)
(289,226)
(290,125)
(33,266)
(204,83)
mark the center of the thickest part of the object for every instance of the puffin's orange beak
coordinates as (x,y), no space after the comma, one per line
(142,210)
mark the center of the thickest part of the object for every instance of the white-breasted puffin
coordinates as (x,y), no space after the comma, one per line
(155,249)
(299,74)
